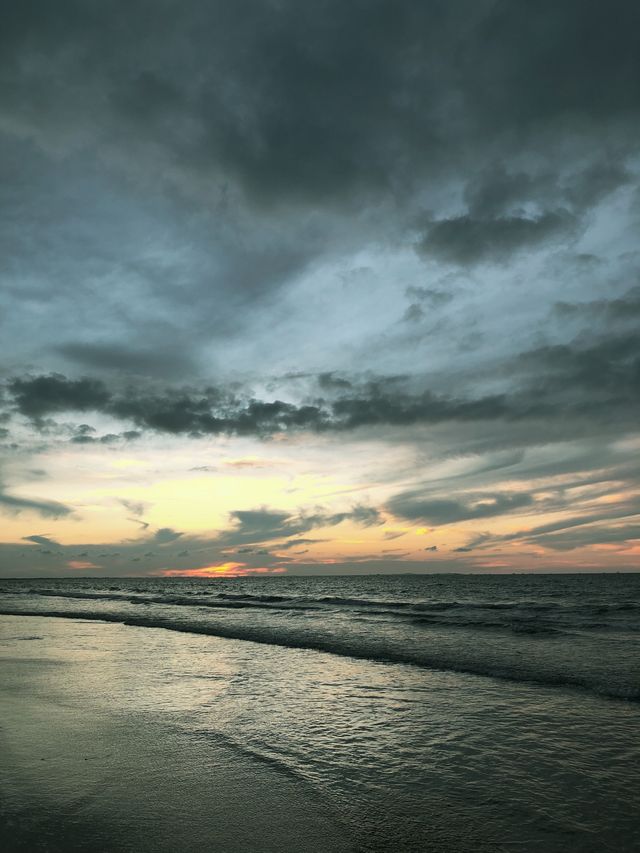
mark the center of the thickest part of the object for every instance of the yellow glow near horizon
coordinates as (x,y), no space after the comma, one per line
(123,500)
(221,569)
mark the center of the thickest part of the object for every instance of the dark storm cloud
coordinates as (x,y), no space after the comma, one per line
(210,413)
(215,412)
(496,191)
(415,507)
(496,226)
(598,379)
(108,438)
(45,395)
(608,368)
(395,408)
(259,92)
(465,239)
(332,382)
(238,135)
(624,309)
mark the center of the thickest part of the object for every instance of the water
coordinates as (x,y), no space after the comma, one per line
(445,713)
(568,630)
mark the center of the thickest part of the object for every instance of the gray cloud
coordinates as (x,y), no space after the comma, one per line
(584,379)
(258,114)
(604,524)
(37,539)
(464,239)
(198,148)
(596,371)
(293,543)
(165,535)
(624,309)
(439,511)
(127,360)
(497,223)
(47,509)
(137,508)
(213,412)
(250,527)
(45,395)
(583,537)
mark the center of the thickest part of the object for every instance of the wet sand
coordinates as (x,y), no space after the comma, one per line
(77,776)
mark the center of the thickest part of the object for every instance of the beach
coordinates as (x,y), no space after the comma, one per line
(84,769)
(139,715)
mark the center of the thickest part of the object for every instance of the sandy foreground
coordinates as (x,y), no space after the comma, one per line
(76,775)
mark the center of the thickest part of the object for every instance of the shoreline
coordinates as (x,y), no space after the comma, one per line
(77,776)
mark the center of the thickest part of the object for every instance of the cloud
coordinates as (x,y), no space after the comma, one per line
(108,438)
(254,534)
(466,240)
(293,543)
(127,360)
(249,462)
(585,537)
(514,211)
(165,535)
(213,411)
(257,526)
(41,540)
(607,369)
(440,511)
(623,309)
(47,509)
(137,508)
(586,378)
(598,523)
(430,296)
(259,115)
(44,395)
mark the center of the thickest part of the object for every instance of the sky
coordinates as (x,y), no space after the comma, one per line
(319,288)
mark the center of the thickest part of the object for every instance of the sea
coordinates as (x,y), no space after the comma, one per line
(425,712)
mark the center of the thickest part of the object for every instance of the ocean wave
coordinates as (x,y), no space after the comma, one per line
(532,617)
(369,648)
(228,602)
(266,599)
